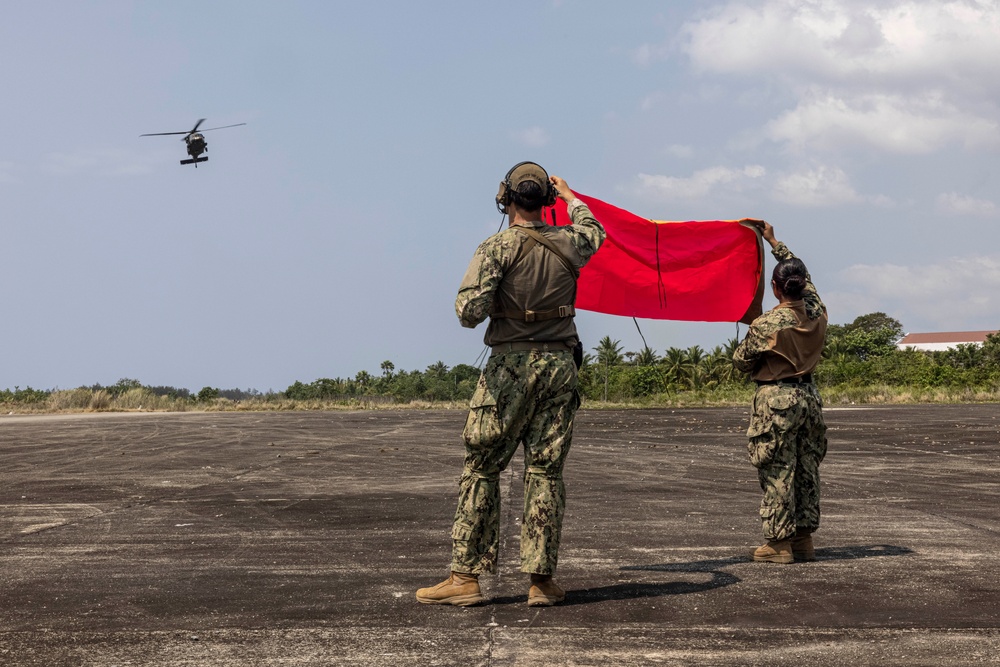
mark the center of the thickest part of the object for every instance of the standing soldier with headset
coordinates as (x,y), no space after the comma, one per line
(524,279)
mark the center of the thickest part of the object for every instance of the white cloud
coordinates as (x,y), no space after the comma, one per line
(533,137)
(68,163)
(883,201)
(819,186)
(101,161)
(775,36)
(904,76)
(813,186)
(680,151)
(952,203)
(652,101)
(888,122)
(646,54)
(699,184)
(956,42)
(962,293)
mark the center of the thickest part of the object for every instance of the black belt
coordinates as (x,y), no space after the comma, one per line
(531,346)
(802,379)
(535,315)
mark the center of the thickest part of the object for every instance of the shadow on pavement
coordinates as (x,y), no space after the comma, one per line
(853,553)
(719,579)
(632,591)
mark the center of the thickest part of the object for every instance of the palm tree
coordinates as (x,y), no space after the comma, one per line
(720,364)
(697,376)
(363,379)
(438,369)
(647,357)
(675,361)
(695,355)
(609,353)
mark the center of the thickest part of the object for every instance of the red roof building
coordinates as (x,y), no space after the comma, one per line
(946,340)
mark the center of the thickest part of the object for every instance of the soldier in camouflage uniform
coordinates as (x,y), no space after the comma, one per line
(787,435)
(524,280)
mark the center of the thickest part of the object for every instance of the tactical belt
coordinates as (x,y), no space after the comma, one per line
(536,315)
(804,379)
(532,346)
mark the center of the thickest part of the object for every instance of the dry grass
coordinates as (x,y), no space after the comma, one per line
(141,399)
(888,395)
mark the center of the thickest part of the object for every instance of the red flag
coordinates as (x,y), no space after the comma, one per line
(709,271)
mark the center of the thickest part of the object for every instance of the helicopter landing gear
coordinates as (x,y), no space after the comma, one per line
(195,161)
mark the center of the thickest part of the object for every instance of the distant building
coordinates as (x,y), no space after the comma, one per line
(946,340)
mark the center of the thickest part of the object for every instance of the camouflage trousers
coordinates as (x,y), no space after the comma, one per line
(527,397)
(787,442)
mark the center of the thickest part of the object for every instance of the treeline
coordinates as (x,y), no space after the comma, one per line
(126,394)
(437,383)
(860,363)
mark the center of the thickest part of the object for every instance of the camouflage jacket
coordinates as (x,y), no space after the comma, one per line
(509,273)
(786,341)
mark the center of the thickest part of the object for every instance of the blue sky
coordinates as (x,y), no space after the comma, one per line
(330,233)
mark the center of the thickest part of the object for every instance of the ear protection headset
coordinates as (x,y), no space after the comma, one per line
(520,172)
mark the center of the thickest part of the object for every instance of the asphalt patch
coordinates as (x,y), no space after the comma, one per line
(300,539)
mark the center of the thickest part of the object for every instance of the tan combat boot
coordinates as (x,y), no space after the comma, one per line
(802,545)
(459,589)
(544,591)
(774,552)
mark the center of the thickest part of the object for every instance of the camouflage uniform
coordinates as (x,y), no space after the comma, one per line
(527,392)
(787,434)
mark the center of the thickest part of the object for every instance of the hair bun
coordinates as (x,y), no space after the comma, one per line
(791,277)
(794,285)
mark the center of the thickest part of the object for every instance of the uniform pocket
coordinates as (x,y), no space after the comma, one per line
(482,426)
(761,449)
(760,416)
(770,416)
(779,402)
(786,408)
(461,532)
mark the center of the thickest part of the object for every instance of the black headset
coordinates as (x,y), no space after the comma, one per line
(506,193)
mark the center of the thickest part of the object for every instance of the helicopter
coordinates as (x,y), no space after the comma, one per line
(196,144)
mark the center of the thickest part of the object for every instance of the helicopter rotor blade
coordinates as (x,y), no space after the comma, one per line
(191,131)
(223,127)
(161,134)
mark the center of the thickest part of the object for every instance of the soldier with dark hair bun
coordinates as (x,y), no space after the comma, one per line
(787,434)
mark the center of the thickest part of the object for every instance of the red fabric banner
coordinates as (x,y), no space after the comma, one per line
(708,271)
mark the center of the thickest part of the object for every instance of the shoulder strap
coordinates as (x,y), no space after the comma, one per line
(540,238)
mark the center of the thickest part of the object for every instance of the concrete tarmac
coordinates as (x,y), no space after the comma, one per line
(227,539)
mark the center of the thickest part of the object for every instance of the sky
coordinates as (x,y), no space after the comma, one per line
(330,233)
